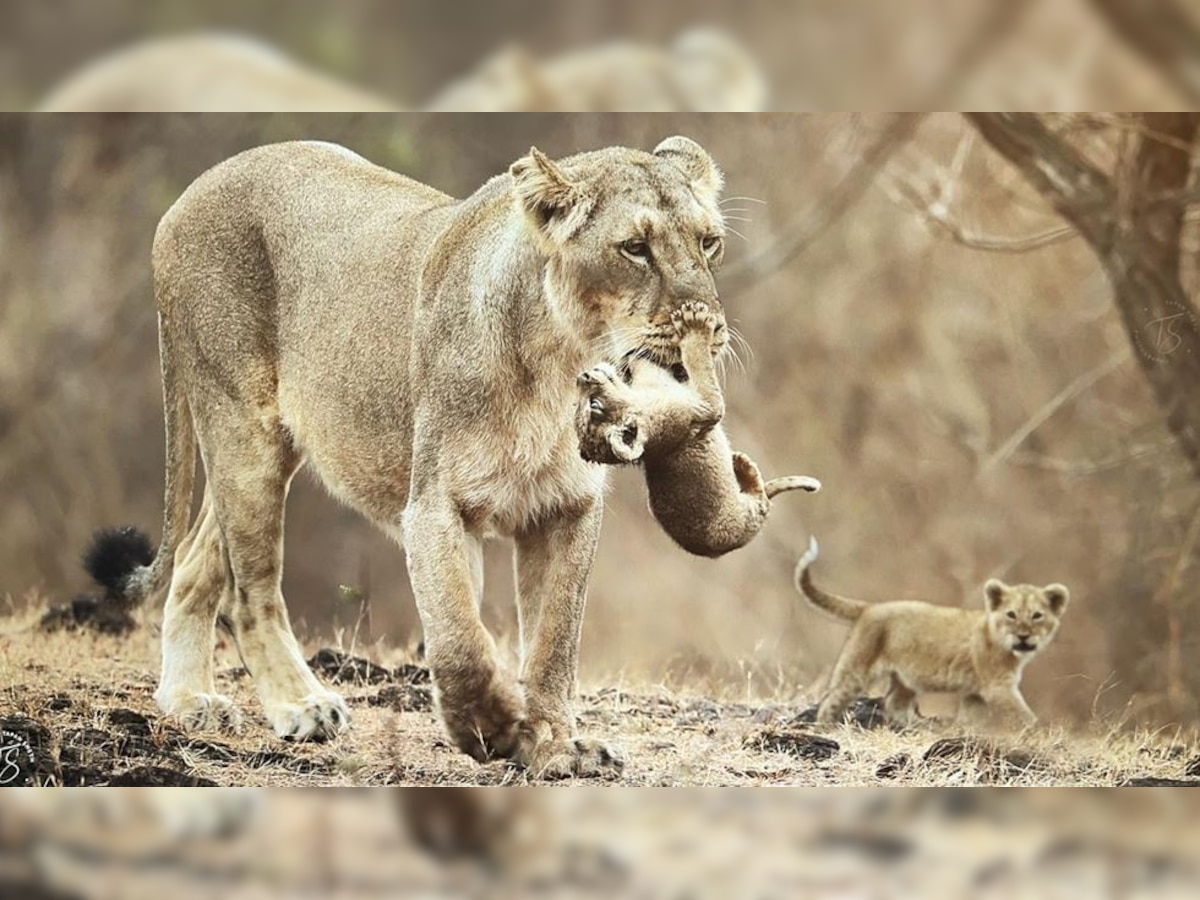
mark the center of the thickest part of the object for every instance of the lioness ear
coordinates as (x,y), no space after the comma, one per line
(695,163)
(557,206)
(994,590)
(1058,597)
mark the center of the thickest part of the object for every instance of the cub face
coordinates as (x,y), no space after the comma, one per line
(630,237)
(1023,618)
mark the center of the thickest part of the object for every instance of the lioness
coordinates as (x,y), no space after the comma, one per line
(919,647)
(419,353)
(707,497)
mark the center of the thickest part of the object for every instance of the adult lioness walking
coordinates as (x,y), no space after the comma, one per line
(420,354)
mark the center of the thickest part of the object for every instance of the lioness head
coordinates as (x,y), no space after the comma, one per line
(1023,618)
(629,236)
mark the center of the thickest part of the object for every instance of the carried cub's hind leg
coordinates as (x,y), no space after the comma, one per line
(186,690)
(250,463)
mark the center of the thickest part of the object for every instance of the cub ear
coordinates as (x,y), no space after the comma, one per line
(994,591)
(694,161)
(1057,596)
(555,204)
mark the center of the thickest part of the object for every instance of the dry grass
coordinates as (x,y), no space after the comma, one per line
(93,696)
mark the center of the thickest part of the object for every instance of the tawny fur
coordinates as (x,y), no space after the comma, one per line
(707,497)
(419,354)
(919,647)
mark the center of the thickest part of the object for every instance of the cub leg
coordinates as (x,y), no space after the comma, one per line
(850,677)
(695,326)
(900,703)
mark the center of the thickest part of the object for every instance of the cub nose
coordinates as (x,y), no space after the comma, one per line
(1023,636)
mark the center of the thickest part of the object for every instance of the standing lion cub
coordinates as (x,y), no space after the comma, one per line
(919,647)
(709,498)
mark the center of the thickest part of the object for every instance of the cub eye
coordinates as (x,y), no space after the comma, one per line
(1037,615)
(710,244)
(1010,615)
(637,250)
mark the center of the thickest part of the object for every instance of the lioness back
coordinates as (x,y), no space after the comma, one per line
(297,228)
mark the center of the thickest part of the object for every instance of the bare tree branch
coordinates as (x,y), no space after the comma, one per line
(816,221)
(1057,402)
(1163,33)
(1136,237)
(937,218)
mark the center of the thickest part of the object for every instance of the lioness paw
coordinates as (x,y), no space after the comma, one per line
(201,711)
(576,758)
(318,717)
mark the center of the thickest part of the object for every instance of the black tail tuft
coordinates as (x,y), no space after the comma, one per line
(114,555)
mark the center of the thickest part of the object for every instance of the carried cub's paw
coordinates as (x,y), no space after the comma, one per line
(749,478)
(694,316)
(602,386)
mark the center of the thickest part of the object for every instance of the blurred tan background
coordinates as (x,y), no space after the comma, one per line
(971,413)
(113,55)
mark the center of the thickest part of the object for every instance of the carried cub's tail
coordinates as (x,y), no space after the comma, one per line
(842,607)
(791,483)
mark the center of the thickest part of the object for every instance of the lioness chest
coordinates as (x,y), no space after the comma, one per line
(521,464)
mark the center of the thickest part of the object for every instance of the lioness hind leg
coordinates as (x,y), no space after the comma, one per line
(250,464)
(186,689)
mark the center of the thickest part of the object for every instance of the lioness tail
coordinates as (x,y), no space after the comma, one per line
(841,607)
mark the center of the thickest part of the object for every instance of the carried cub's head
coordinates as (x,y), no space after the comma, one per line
(630,236)
(1023,618)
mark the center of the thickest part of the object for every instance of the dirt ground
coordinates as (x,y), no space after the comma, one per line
(83,703)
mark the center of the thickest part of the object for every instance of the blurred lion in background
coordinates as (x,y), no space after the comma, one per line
(704,70)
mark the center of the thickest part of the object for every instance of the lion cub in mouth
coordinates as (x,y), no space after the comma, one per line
(919,647)
(709,498)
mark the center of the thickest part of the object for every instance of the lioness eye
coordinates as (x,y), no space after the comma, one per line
(636,250)
(710,244)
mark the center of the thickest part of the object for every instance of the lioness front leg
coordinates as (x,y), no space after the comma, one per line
(695,326)
(480,703)
(553,563)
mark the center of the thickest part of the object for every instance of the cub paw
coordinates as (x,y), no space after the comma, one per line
(749,478)
(695,317)
(601,386)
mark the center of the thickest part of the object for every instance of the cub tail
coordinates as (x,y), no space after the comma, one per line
(840,607)
(791,483)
